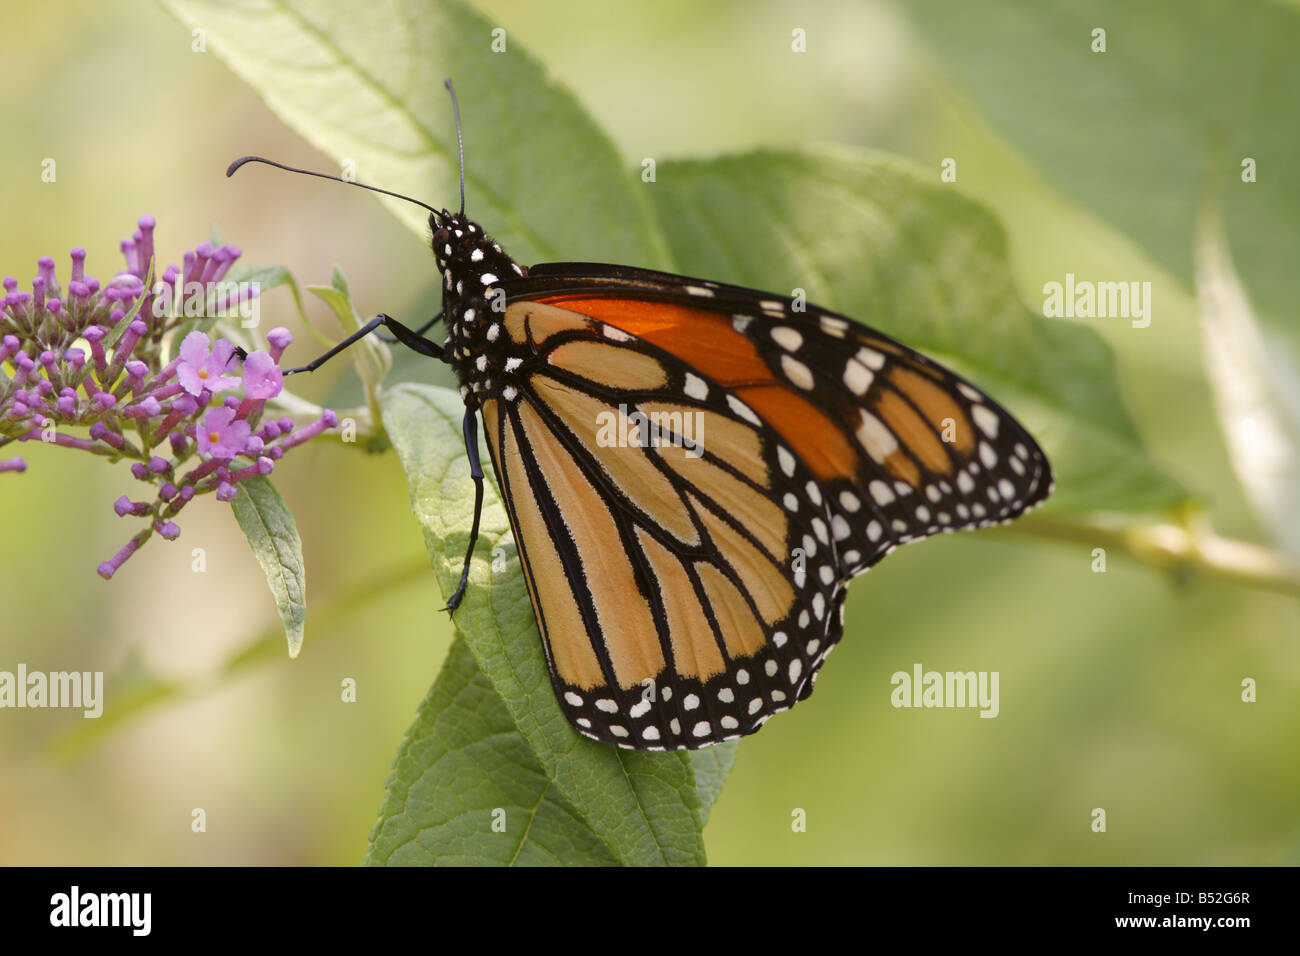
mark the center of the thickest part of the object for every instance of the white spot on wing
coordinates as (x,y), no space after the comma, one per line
(786,461)
(986,419)
(786,337)
(857,377)
(871,358)
(743,410)
(881,492)
(872,435)
(796,372)
(696,387)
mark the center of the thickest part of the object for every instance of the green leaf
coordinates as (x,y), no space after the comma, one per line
(339,304)
(1126,132)
(867,235)
(338,297)
(646,808)
(339,281)
(366,84)
(441,806)
(269,526)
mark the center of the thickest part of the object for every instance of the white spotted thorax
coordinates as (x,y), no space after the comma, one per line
(472,267)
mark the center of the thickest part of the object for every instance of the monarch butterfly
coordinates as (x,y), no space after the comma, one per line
(689,587)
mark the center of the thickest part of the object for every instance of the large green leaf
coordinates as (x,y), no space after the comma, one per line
(868,236)
(364,82)
(444,809)
(1185,91)
(645,808)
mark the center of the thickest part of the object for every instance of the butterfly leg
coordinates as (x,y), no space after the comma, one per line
(470,429)
(420,331)
(412,340)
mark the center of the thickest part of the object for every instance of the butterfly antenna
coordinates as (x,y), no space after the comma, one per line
(460,141)
(243,160)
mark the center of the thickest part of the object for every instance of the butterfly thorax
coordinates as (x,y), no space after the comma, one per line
(473,267)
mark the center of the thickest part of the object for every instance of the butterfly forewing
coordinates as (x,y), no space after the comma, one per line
(893,437)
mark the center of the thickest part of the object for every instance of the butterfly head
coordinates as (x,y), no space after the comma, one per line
(471,263)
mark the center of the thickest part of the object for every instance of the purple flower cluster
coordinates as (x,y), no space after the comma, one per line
(91,359)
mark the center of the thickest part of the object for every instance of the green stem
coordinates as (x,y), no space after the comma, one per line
(1174,547)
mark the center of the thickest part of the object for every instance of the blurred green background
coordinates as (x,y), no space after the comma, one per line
(1118,690)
